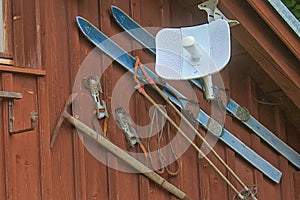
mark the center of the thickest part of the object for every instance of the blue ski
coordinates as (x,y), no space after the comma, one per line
(239,112)
(127,61)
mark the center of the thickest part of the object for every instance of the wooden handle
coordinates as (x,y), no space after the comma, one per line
(120,153)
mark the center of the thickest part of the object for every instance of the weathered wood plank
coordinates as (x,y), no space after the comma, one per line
(267,152)
(2,147)
(114,184)
(8,147)
(280,27)
(297,185)
(22,70)
(286,186)
(255,140)
(18,29)
(26,145)
(258,40)
(55,56)
(10,95)
(80,177)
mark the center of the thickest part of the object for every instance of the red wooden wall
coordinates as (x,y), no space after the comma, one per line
(48,46)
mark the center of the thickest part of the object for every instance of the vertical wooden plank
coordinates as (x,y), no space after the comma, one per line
(18,30)
(2,145)
(31,56)
(218,188)
(238,89)
(136,13)
(190,177)
(293,139)
(149,19)
(26,144)
(128,181)
(55,57)
(256,144)
(26,44)
(113,186)
(44,111)
(74,59)
(3,43)
(44,139)
(297,185)
(285,183)
(38,30)
(229,153)
(269,189)
(10,173)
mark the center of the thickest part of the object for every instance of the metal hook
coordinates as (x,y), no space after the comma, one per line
(11,96)
(33,118)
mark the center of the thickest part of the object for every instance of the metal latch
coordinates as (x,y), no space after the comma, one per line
(10,97)
(95,89)
(125,123)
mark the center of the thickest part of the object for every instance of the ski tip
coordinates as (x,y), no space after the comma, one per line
(83,24)
(116,11)
(112,7)
(79,19)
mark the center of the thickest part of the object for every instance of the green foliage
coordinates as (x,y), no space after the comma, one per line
(289,3)
(293,6)
(296,11)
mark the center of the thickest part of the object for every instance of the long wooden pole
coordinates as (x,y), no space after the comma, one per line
(153,84)
(120,153)
(189,140)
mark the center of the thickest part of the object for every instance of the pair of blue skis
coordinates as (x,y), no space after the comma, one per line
(148,41)
(127,61)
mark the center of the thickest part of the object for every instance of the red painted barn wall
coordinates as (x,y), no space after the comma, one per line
(46,37)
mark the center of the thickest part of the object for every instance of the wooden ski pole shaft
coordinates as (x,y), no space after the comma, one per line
(153,84)
(202,139)
(142,91)
(197,133)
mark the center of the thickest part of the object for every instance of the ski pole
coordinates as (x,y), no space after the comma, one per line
(154,85)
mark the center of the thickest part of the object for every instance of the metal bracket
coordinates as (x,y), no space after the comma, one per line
(125,123)
(213,13)
(214,127)
(242,113)
(10,97)
(95,89)
(247,193)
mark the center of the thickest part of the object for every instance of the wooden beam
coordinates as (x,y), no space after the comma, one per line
(278,25)
(264,46)
(10,95)
(24,70)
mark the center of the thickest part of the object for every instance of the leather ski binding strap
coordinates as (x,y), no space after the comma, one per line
(95,89)
(125,123)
